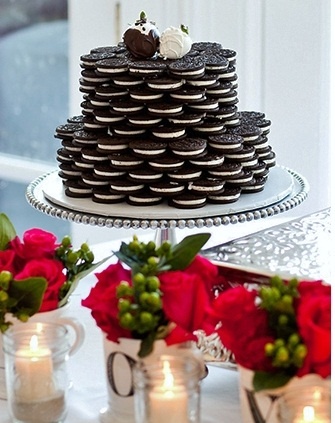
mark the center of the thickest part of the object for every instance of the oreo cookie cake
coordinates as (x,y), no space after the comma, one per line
(160,124)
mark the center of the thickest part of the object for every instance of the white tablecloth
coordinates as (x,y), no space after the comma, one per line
(219,391)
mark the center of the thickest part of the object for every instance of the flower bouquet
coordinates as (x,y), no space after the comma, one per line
(154,293)
(37,273)
(278,331)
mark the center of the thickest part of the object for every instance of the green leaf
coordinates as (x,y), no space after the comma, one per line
(266,380)
(75,281)
(28,293)
(147,345)
(184,252)
(7,231)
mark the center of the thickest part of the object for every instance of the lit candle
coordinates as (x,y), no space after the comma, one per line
(169,402)
(34,370)
(309,415)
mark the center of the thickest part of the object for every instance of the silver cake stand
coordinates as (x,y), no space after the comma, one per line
(284,190)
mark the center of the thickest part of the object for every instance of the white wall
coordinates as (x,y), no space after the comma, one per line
(283,65)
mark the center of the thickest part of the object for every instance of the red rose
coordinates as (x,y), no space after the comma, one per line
(314,323)
(52,271)
(36,243)
(186,300)
(7,260)
(103,302)
(242,325)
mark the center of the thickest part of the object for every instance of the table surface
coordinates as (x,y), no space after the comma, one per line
(219,391)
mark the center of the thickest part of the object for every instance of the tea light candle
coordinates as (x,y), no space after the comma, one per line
(168,403)
(34,370)
(310,416)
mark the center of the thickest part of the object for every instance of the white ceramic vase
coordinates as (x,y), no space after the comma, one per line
(119,360)
(279,405)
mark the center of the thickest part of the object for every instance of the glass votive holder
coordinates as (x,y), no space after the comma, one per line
(305,404)
(167,389)
(36,373)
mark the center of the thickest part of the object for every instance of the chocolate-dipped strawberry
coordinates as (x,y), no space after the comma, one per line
(142,38)
(175,42)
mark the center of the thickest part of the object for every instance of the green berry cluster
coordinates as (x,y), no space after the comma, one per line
(288,350)
(74,261)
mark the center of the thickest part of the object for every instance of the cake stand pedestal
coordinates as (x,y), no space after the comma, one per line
(284,190)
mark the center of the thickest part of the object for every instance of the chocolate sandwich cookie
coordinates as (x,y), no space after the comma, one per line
(91,77)
(91,155)
(68,171)
(255,185)
(166,163)
(168,132)
(145,175)
(215,61)
(144,198)
(126,107)
(224,112)
(166,188)
(108,144)
(82,165)
(90,179)
(229,54)
(188,95)
(164,84)
(107,172)
(77,189)
(188,68)
(225,196)
(245,153)
(249,132)
(127,131)
(64,156)
(88,61)
(147,68)
(185,174)
(259,170)
(187,119)
(147,148)
(78,119)
(111,92)
(118,49)
(113,66)
(144,120)
(210,126)
(203,46)
(71,147)
(244,177)
(188,200)
(166,109)
(229,75)
(125,186)
(207,160)
(207,105)
(269,159)
(105,195)
(226,171)
(229,98)
(85,138)
(145,95)
(87,108)
(251,115)
(218,89)
(108,116)
(225,143)
(67,130)
(86,87)
(207,185)
(124,161)
(264,125)
(207,80)
(127,81)
(232,121)
(91,124)
(188,148)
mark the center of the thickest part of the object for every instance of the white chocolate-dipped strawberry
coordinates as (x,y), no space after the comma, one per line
(175,42)
(142,38)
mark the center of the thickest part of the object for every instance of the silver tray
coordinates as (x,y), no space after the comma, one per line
(284,190)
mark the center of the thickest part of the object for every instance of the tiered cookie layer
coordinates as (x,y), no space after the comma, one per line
(157,130)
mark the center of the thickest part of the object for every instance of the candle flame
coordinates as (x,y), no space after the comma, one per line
(308,413)
(168,377)
(33,343)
